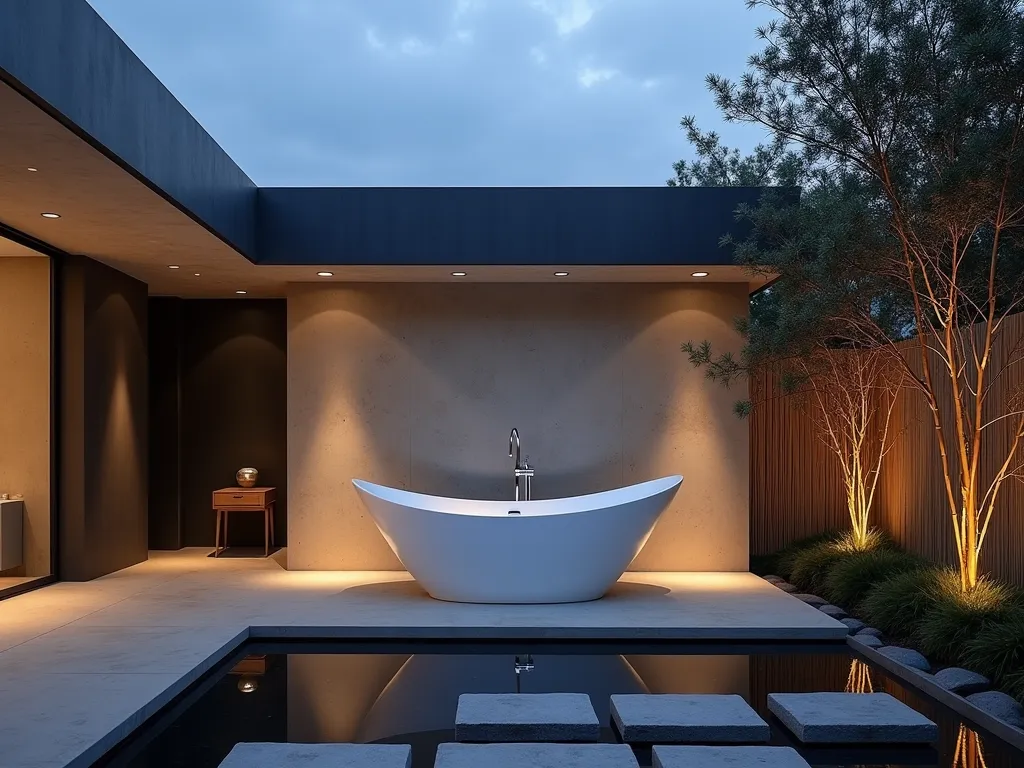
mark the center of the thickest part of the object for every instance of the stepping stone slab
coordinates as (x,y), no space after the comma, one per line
(855,625)
(727,757)
(814,600)
(319,756)
(908,657)
(850,718)
(526,717)
(682,718)
(535,756)
(832,610)
(962,681)
(869,631)
(999,705)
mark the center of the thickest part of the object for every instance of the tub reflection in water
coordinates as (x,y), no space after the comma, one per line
(383,697)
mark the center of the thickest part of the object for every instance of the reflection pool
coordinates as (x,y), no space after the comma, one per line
(406,693)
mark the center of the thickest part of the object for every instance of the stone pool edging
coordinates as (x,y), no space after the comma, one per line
(156,705)
(924,682)
(867,642)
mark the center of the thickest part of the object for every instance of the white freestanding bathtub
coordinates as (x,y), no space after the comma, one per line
(549,551)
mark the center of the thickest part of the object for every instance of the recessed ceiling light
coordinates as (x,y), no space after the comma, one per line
(561,274)
(325,274)
(50,215)
(32,170)
(196,274)
(240,293)
(173,266)
(700,274)
(458,274)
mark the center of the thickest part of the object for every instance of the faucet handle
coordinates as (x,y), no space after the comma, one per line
(526,461)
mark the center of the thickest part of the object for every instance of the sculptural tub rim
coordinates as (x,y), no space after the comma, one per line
(551,551)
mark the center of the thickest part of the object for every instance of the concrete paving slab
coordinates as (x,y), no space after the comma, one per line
(680,718)
(849,718)
(56,720)
(526,717)
(319,756)
(727,757)
(85,649)
(535,756)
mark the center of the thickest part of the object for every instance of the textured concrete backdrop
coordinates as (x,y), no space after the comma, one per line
(418,386)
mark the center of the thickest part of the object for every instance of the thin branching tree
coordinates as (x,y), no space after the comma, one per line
(848,394)
(916,109)
(853,395)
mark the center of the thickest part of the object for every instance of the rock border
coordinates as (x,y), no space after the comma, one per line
(917,679)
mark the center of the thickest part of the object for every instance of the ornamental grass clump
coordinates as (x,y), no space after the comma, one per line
(997,651)
(897,605)
(785,559)
(812,566)
(955,618)
(1014,685)
(855,575)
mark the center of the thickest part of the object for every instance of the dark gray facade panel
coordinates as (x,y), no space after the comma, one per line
(63,55)
(499,225)
(103,470)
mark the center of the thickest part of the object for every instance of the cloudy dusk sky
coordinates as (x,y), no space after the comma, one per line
(445,92)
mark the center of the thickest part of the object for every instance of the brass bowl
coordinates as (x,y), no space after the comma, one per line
(246,477)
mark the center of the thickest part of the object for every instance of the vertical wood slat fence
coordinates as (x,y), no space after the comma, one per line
(796,489)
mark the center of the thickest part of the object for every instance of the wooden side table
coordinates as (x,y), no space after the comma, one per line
(227,500)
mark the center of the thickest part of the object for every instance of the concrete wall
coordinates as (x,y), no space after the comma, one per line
(103,398)
(417,386)
(25,399)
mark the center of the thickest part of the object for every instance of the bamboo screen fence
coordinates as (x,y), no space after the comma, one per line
(796,489)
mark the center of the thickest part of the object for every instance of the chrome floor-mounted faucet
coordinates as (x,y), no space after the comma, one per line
(523,468)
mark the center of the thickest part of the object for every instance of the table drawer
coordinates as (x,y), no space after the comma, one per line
(239,498)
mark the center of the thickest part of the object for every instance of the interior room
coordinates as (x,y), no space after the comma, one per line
(26,442)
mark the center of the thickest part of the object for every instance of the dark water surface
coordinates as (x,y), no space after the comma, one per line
(407,694)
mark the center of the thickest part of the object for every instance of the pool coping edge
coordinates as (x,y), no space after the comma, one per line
(922,682)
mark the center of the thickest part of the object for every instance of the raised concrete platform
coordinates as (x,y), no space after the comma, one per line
(849,718)
(676,718)
(727,757)
(526,717)
(319,756)
(84,664)
(535,756)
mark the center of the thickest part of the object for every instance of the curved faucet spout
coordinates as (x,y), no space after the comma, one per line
(513,440)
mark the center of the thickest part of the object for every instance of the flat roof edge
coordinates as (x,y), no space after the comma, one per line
(100,90)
